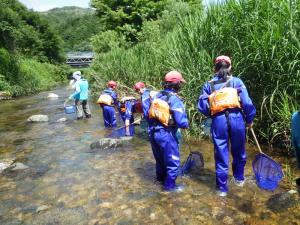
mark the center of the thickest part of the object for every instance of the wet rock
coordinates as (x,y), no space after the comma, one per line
(52,95)
(42,208)
(283,201)
(105,143)
(19,166)
(106,205)
(38,118)
(216,211)
(61,120)
(5,95)
(152,216)
(228,220)
(6,163)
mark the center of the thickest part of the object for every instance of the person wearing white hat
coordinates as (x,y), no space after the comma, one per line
(81,95)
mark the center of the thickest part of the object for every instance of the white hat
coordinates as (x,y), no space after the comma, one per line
(77,75)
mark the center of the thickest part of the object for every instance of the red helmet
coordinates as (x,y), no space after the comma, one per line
(223,58)
(174,77)
(138,86)
(112,84)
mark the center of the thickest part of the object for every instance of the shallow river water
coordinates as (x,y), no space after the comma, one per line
(68,183)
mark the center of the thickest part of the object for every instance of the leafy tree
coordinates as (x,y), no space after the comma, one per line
(75,25)
(127,16)
(23,31)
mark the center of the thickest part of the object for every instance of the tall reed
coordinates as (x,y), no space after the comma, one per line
(261,37)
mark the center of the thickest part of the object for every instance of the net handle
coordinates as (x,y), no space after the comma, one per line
(257,144)
(67,100)
(133,123)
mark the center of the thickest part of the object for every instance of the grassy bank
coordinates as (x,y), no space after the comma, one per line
(23,76)
(259,36)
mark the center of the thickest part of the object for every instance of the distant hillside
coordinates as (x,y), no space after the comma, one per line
(75,25)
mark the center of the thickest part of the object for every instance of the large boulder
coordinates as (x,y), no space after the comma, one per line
(38,118)
(105,143)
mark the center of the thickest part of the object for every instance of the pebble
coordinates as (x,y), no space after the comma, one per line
(42,208)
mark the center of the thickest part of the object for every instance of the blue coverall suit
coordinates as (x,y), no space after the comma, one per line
(296,135)
(226,126)
(109,114)
(128,114)
(145,98)
(146,103)
(81,95)
(164,142)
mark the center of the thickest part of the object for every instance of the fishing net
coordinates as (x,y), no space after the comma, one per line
(194,162)
(268,173)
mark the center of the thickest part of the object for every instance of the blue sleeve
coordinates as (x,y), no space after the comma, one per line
(115,97)
(146,103)
(128,113)
(203,102)
(246,103)
(178,112)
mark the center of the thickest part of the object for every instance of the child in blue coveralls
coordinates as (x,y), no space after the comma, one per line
(145,93)
(163,127)
(225,99)
(127,107)
(107,100)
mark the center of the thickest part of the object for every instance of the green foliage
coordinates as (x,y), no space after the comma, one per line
(259,35)
(24,32)
(107,41)
(75,25)
(36,76)
(127,16)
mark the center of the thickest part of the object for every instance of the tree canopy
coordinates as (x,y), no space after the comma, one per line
(75,25)
(25,32)
(127,16)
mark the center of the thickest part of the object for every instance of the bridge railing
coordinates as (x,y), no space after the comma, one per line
(80,59)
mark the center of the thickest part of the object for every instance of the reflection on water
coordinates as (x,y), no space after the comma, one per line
(66,183)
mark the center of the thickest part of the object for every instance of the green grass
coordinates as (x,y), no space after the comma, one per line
(259,35)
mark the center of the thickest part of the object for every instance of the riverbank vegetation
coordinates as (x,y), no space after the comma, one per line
(261,37)
(30,51)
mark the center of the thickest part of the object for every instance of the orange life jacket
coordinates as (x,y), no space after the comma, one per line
(224,98)
(160,109)
(106,98)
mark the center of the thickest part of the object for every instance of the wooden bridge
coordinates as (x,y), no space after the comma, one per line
(80,59)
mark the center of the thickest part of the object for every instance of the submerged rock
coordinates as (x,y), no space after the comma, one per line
(42,208)
(38,118)
(283,201)
(19,166)
(6,163)
(61,120)
(52,95)
(104,143)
